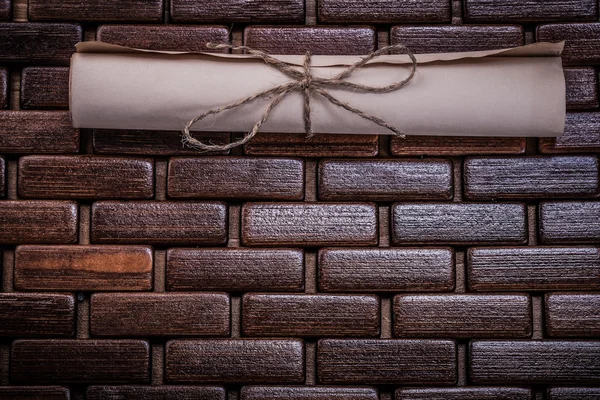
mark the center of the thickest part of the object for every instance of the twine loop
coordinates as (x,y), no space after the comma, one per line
(302,81)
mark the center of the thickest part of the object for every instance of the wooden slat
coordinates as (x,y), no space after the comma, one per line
(514,10)
(573,393)
(80,361)
(3,88)
(289,144)
(170,392)
(36,314)
(172,314)
(45,87)
(464,393)
(307,393)
(569,222)
(238,11)
(455,145)
(582,88)
(83,268)
(34,392)
(572,314)
(582,41)
(96,10)
(383,11)
(239,270)
(582,135)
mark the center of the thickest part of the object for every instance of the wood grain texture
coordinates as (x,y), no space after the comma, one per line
(85,177)
(569,222)
(173,314)
(238,11)
(582,88)
(35,314)
(310,315)
(573,393)
(383,11)
(455,145)
(582,44)
(534,361)
(385,180)
(458,223)
(83,268)
(5,7)
(572,314)
(3,88)
(386,270)
(80,361)
(289,144)
(519,11)
(455,38)
(582,135)
(160,223)
(164,37)
(530,177)
(45,87)
(41,221)
(37,132)
(316,39)
(307,393)
(34,393)
(235,361)
(38,43)
(236,178)
(464,393)
(2,177)
(386,361)
(238,270)
(309,224)
(96,10)
(170,392)
(462,315)
(152,143)
(533,268)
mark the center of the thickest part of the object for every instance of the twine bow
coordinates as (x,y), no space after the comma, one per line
(304,82)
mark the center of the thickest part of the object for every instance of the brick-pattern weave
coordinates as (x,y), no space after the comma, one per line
(346,267)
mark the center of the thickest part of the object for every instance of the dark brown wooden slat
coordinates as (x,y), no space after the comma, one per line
(170,392)
(582,46)
(573,393)
(385,180)
(316,39)
(238,270)
(569,222)
(310,315)
(456,38)
(464,393)
(2,177)
(159,314)
(38,43)
(314,224)
(235,361)
(238,11)
(307,393)
(80,361)
(5,7)
(582,135)
(384,11)
(160,223)
(41,221)
(533,268)
(36,314)
(572,314)
(462,315)
(236,178)
(96,10)
(289,144)
(582,88)
(85,177)
(487,178)
(459,223)
(164,37)
(455,145)
(3,88)
(83,268)
(386,270)
(519,11)
(534,361)
(37,132)
(152,143)
(386,361)
(34,393)
(45,87)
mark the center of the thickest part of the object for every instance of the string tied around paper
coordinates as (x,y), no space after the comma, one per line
(304,82)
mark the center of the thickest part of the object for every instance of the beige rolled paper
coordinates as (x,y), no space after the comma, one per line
(509,92)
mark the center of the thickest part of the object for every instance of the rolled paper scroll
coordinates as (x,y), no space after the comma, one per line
(508,92)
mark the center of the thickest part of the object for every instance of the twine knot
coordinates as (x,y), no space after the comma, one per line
(304,82)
